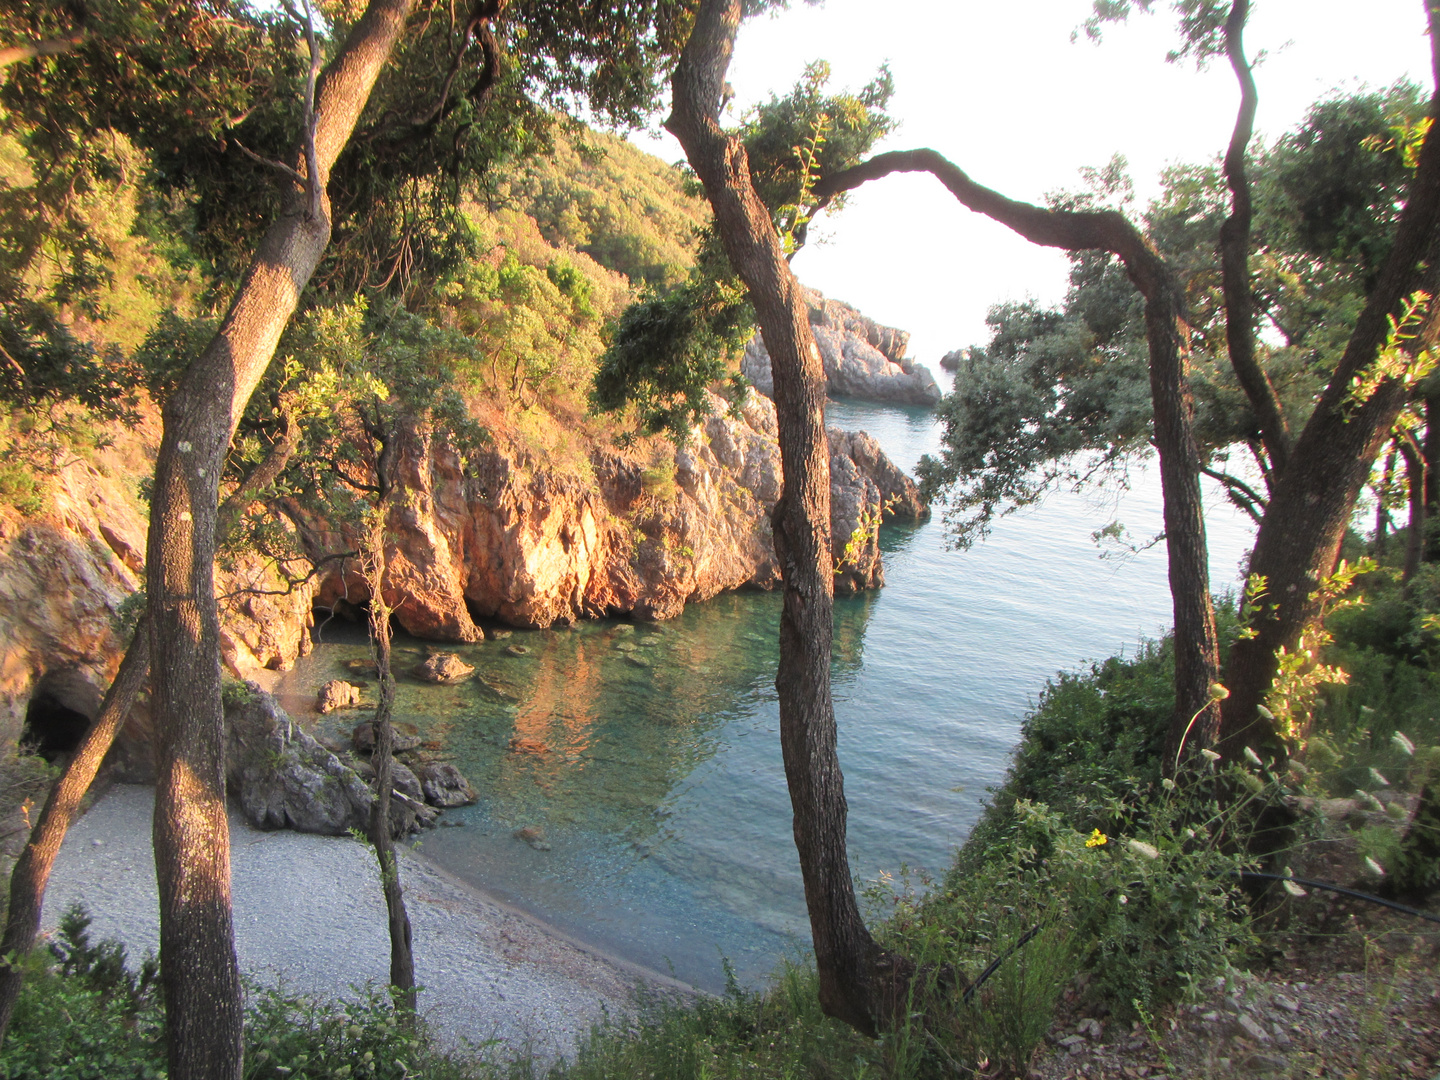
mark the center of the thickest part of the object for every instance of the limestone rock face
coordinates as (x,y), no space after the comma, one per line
(501,537)
(282,777)
(862,358)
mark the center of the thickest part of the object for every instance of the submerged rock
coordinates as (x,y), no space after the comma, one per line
(445,669)
(363,738)
(443,785)
(533,835)
(337,694)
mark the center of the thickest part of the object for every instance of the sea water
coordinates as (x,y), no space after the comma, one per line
(648,755)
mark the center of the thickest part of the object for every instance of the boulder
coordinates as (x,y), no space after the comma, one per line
(952,360)
(337,694)
(534,835)
(284,779)
(443,785)
(408,811)
(444,669)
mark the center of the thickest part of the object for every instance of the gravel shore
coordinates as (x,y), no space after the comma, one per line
(309,913)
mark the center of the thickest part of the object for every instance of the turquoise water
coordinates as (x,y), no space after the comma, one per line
(649,754)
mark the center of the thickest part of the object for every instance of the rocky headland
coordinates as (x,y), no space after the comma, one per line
(862,358)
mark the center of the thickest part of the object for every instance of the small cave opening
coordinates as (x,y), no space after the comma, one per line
(52,730)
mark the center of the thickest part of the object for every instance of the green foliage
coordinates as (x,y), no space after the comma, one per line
(668,350)
(625,209)
(1060,397)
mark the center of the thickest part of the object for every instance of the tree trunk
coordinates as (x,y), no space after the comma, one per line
(1195,721)
(402,956)
(1314,498)
(858,982)
(1235,257)
(32,871)
(192,850)
(1415,479)
(1432,468)
(1382,513)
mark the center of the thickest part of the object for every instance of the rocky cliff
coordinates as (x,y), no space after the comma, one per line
(496,538)
(862,358)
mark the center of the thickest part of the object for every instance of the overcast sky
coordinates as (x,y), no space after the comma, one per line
(1000,89)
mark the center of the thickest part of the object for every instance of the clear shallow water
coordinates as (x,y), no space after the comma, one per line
(650,756)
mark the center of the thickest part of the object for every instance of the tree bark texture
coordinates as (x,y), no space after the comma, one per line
(1197,649)
(1415,479)
(854,986)
(1235,257)
(1314,498)
(402,955)
(192,852)
(32,870)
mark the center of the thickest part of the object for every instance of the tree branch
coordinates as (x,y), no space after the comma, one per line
(1235,255)
(13,54)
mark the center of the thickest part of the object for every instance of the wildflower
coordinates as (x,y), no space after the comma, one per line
(1218,692)
(1097,839)
(1266,713)
(1124,899)
(1376,775)
(1168,784)
(1293,889)
(1403,743)
(1253,758)
(1374,867)
(1142,848)
(1209,755)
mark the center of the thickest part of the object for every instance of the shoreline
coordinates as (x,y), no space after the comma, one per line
(309,914)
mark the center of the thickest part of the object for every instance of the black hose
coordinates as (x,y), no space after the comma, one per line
(994,965)
(1257,875)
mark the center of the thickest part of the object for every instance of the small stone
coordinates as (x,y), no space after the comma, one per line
(1212,1016)
(638,661)
(1247,1026)
(1073,1043)
(516,650)
(363,738)
(1289,1005)
(97,843)
(497,635)
(533,835)
(1280,1035)
(1266,1063)
(625,646)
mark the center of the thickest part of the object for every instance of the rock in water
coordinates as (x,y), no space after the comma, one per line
(282,777)
(363,739)
(862,358)
(337,694)
(533,835)
(952,360)
(444,785)
(445,669)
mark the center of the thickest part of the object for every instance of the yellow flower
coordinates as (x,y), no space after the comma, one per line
(1097,838)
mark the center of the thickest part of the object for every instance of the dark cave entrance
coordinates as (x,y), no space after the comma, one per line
(51,729)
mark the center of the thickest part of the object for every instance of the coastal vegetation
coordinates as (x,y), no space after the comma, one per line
(295,239)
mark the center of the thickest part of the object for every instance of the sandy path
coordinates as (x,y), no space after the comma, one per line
(309,911)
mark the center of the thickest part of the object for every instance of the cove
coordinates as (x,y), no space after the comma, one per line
(648,754)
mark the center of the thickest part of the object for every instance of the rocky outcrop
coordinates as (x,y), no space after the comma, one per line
(644,532)
(952,360)
(337,694)
(862,358)
(283,778)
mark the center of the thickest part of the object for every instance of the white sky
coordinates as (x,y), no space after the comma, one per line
(1000,90)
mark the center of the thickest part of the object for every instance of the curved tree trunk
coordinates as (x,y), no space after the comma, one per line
(32,870)
(858,981)
(1195,721)
(1235,258)
(192,844)
(1314,498)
